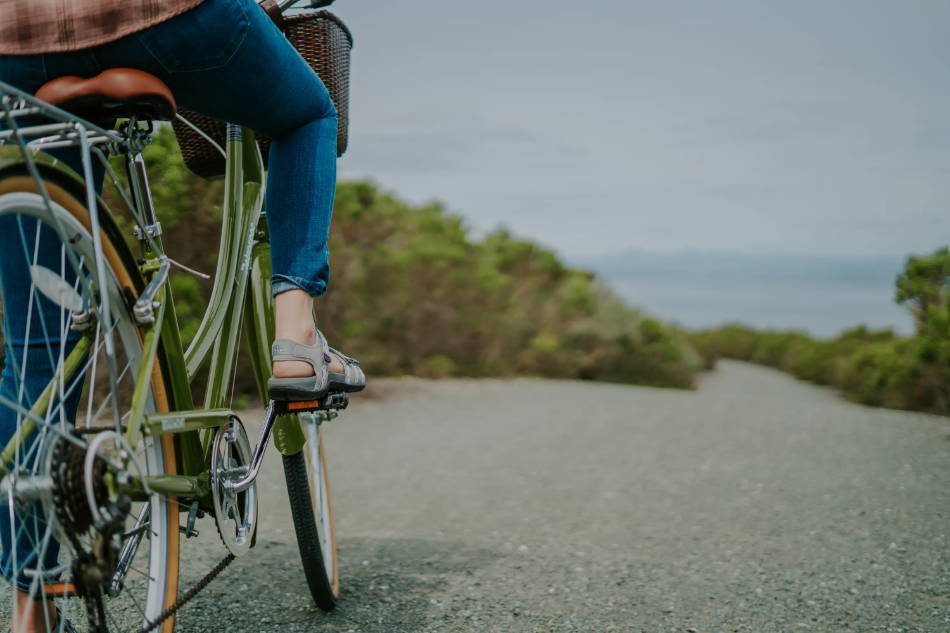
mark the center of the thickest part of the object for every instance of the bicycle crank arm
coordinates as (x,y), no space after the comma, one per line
(250,472)
(328,408)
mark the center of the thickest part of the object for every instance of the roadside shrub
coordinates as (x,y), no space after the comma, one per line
(413,293)
(874,367)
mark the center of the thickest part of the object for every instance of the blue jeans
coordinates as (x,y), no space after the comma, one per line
(225,59)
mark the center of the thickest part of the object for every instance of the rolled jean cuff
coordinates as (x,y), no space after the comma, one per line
(283,283)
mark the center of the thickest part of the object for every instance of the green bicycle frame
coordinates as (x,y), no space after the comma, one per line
(240,295)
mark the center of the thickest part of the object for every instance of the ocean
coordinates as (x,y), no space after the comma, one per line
(821,309)
(822,296)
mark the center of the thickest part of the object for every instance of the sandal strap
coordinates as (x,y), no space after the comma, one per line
(346,360)
(315,355)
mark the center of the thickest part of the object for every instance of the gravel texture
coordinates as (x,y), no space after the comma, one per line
(756,504)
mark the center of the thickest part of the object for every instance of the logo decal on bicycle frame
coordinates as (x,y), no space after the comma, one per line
(173,424)
(248,247)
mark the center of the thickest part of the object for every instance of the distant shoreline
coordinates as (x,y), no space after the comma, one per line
(821,295)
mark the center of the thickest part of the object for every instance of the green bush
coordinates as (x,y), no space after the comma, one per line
(881,374)
(874,367)
(413,293)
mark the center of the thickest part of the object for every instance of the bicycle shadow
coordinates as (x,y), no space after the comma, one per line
(387,586)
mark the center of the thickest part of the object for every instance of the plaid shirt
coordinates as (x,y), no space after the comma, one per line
(49,26)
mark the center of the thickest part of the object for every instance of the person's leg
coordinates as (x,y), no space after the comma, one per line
(258,80)
(33,615)
(29,72)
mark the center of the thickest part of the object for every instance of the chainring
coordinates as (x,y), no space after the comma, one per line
(235,513)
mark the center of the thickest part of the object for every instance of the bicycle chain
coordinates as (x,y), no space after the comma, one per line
(188,595)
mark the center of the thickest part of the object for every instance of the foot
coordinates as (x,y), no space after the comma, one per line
(294,321)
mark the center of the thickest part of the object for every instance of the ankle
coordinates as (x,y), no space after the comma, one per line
(304,334)
(294,317)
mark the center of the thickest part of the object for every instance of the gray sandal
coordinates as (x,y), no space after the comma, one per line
(322,382)
(352,379)
(307,387)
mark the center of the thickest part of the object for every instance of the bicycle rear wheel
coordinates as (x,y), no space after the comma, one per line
(99,395)
(311,506)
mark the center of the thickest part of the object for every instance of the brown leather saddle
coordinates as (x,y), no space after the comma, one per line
(114,93)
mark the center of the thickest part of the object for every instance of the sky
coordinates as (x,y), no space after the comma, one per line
(806,127)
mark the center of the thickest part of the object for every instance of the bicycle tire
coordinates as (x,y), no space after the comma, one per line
(306,475)
(17,187)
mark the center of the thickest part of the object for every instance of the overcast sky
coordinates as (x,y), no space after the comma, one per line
(752,126)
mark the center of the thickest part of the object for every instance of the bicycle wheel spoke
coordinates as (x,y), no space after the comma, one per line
(94,385)
(90,394)
(138,606)
(45,423)
(105,402)
(109,619)
(142,573)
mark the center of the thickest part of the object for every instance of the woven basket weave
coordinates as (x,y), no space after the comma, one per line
(325,42)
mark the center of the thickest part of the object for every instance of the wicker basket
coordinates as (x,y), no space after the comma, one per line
(325,42)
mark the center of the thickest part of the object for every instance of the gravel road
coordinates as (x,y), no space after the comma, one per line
(755,504)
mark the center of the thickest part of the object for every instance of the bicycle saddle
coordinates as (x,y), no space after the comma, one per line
(117,92)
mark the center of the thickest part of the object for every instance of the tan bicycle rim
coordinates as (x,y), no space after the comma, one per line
(26,184)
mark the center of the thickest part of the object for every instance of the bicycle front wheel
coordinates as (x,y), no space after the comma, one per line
(312,509)
(43,541)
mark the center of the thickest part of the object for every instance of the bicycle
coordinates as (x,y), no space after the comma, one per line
(143,462)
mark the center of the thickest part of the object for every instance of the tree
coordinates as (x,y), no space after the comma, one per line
(925,284)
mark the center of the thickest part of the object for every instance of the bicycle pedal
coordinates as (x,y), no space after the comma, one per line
(52,590)
(332,402)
